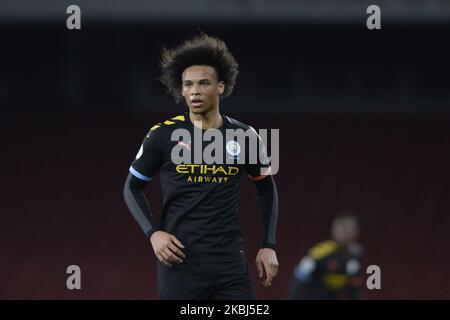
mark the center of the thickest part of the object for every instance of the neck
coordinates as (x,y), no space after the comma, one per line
(210,119)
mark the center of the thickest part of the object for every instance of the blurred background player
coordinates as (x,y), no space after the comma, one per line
(331,269)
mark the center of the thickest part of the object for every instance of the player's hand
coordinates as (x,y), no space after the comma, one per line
(167,248)
(267,261)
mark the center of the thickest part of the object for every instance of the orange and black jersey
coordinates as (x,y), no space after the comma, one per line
(200,200)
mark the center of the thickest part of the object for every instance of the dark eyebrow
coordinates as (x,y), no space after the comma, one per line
(201,80)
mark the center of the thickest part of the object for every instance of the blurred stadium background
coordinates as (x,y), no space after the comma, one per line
(364,119)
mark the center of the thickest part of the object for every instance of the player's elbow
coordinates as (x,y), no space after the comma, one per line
(266,186)
(126,191)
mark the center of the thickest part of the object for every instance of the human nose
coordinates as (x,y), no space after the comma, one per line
(195,90)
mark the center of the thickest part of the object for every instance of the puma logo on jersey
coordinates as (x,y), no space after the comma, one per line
(186,145)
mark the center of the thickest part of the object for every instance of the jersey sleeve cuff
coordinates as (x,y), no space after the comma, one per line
(268,245)
(139,175)
(149,233)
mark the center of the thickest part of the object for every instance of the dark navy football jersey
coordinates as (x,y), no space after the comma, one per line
(200,200)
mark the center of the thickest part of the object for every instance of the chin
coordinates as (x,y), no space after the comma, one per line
(197,110)
(201,110)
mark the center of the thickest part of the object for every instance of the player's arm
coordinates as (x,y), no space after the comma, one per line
(354,292)
(148,161)
(354,270)
(303,274)
(267,203)
(136,200)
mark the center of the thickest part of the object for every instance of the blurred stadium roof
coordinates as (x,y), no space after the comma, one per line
(228,11)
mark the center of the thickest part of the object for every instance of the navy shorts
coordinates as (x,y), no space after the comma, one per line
(206,281)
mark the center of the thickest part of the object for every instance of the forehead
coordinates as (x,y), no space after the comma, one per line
(199,72)
(346,223)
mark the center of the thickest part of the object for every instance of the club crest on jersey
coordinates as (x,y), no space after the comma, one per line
(233,148)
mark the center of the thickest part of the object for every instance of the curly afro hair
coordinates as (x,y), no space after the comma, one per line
(200,50)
